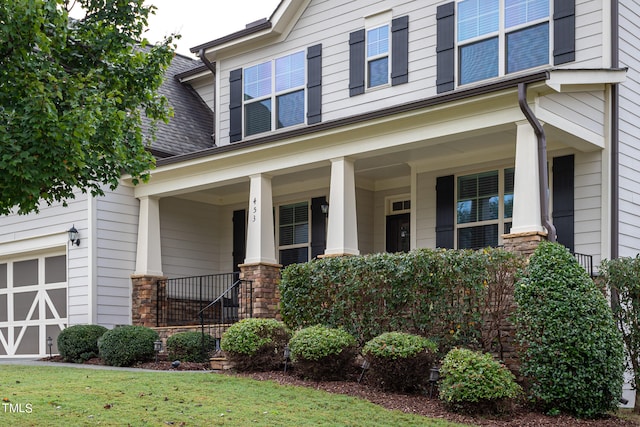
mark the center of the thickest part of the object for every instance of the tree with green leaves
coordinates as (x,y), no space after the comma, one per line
(73,94)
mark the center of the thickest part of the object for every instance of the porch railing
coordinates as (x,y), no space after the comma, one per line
(197,300)
(586,261)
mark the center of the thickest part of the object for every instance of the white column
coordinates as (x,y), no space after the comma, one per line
(149,256)
(342,233)
(526,187)
(260,233)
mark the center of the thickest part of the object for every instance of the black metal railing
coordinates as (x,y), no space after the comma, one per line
(197,300)
(586,261)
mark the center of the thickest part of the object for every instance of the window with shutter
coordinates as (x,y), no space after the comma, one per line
(379,54)
(276,94)
(483,39)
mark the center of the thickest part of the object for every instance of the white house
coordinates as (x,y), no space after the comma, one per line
(455,124)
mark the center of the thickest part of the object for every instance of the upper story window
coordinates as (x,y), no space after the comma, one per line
(378,56)
(274,94)
(484,207)
(481,39)
(498,37)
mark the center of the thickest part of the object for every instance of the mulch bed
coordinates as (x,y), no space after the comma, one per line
(522,416)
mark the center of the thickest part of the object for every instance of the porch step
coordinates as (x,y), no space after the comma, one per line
(220,363)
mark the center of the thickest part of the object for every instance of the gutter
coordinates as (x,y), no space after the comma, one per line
(542,161)
(211,67)
(615,142)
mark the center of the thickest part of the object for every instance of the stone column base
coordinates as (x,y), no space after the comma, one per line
(523,243)
(265,279)
(144,300)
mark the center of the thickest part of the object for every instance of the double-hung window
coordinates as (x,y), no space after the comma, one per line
(498,37)
(378,56)
(293,233)
(274,94)
(484,205)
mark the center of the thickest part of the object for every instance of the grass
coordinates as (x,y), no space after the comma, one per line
(52,396)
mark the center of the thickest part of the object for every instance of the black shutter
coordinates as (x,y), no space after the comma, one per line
(235,105)
(445,211)
(564,31)
(445,47)
(356,63)
(314,84)
(563,199)
(318,227)
(239,238)
(400,50)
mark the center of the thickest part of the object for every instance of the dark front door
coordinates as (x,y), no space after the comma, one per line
(239,238)
(398,233)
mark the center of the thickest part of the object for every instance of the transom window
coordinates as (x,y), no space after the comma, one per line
(279,84)
(378,56)
(293,233)
(498,37)
(484,208)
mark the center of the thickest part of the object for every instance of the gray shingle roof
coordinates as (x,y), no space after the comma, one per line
(191,127)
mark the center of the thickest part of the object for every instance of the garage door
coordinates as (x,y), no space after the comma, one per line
(33,303)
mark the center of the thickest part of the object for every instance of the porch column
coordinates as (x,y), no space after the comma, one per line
(148,255)
(342,233)
(260,232)
(526,187)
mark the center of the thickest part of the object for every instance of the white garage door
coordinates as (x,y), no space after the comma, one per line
(33,303)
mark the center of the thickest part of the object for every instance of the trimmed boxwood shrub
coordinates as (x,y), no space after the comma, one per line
(256,344)
(187,347)
(322,353)
(127,345)
(572,352)
(474,382)
(79,343)
(400,361)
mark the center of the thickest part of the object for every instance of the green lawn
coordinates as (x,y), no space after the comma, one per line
(52,396)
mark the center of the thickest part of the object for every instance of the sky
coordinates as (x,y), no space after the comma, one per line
(200,21)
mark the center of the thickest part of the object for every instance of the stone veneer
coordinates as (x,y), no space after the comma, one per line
(144,300)
(523,243)
(266,295)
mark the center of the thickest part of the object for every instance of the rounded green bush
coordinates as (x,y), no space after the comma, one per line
(319,352)
(79,343)
(572,352)
(400,361)
(255,344)
(127,345)
(474,382)
(187,347)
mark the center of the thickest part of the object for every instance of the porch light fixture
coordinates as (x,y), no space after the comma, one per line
(325,208)
(50,344)
(157,346)
(74,236)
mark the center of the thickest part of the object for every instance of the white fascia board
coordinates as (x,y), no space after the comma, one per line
(204,74)
(567,80)
(317,149)
(282,21)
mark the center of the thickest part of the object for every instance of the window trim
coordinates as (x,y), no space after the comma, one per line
(500,221)
(369,59)
(501,33)
(274,95)
(280,247)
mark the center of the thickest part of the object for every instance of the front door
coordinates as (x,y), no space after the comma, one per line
(398,233)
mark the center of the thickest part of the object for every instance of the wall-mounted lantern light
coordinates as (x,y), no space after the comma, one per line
(74,236)
(325,208)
